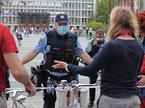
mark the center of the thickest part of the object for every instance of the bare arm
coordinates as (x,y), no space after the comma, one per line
(19,72)
(29,56)
(85,57)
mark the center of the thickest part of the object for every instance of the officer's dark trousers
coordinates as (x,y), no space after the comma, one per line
(93,79)
(49,100)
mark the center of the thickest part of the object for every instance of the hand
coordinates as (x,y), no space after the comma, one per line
(30,89)
(60,65)
(141,81)
(98,81)
(95,42)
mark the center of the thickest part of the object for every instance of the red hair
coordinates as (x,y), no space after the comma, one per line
(141,20)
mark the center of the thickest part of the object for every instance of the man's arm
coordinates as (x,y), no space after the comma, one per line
(19,72)
(29,56)
(39,48)
(85,57)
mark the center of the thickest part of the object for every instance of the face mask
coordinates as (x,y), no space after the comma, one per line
(62,30)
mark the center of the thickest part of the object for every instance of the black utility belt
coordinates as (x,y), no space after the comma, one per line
(57,74)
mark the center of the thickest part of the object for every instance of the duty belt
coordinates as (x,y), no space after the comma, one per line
(57,74)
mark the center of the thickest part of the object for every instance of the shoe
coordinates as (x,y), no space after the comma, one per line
(91,104)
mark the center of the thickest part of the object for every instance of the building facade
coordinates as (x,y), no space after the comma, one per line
(141,5)
(136,5)
(42,12)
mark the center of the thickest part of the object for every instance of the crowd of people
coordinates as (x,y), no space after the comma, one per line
(118,57)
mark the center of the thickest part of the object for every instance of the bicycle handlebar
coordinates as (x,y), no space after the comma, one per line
(12,90)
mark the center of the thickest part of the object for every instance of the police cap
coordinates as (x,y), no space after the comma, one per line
(61,18)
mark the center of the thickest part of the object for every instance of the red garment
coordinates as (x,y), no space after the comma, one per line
(142,70)
(142,105)
(7,45)
(141,20)
(125,33)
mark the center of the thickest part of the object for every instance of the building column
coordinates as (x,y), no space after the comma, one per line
(95,6)
(81,14)
(141,5)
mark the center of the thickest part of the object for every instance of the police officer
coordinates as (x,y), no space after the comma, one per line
(57,44)
(92,48)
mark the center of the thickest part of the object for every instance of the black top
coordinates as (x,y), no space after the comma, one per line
(120,61)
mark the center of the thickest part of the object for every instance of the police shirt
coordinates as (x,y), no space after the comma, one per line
(42,46)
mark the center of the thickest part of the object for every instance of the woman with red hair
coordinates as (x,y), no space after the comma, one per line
(141,82)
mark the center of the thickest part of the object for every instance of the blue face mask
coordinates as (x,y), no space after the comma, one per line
(62,30)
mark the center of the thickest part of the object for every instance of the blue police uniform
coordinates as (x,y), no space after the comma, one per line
(50,46)
(44,48)
(41,46)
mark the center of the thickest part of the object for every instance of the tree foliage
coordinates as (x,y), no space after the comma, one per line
(95,25)
(103,10)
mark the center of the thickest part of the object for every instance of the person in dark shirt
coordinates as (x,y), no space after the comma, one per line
(95,44)
(92,48)
(120,60)
(19,38)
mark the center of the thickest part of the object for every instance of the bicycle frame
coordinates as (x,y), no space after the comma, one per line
(16,96)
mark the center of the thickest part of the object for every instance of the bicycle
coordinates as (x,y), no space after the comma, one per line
(16,94)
